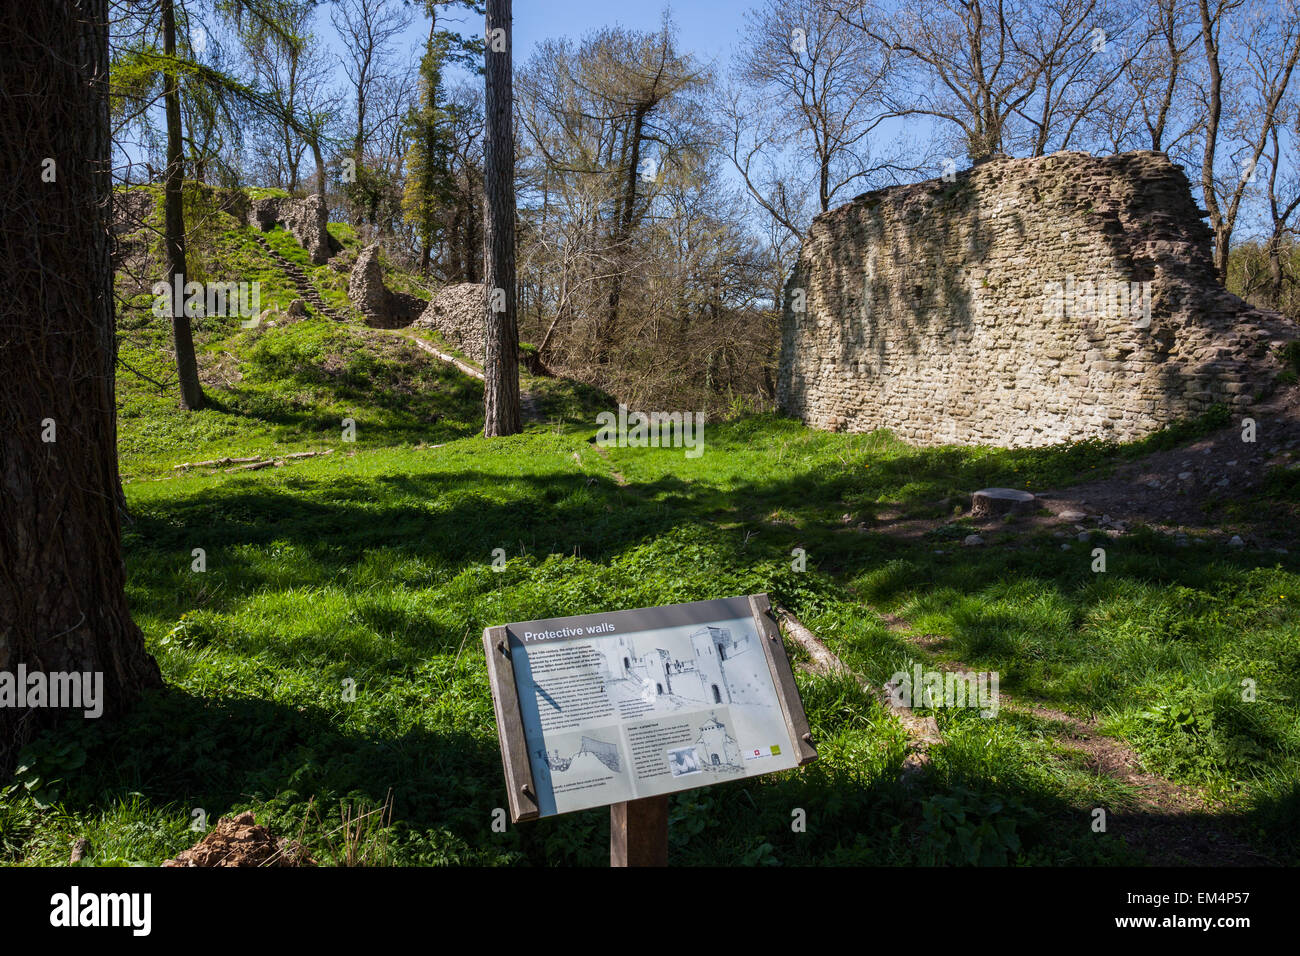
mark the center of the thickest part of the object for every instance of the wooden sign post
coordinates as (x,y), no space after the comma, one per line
(638,832)
(623,709)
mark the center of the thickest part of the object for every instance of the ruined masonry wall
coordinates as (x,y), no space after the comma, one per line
(957,312)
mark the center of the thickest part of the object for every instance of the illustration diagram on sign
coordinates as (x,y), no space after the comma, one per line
(605,752)
(718,750)
(710,665)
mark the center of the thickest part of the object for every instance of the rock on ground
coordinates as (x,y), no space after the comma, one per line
(988,502)
(366,285)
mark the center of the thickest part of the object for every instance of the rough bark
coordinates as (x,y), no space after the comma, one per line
(187,368)
(624,217)
(501,352)
(473,254)
(62,601)
(319,160)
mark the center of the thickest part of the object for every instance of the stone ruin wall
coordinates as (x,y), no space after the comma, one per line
(956,312)
(381,306)
(306,220)
(456,313)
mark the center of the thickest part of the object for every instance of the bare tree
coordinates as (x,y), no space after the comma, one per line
(1269,48)
(463,259)
(1006,74)
(1283,204)
(294,76)
(1157,78)
(501,348)
(695,322)
(187,368)
(958,60)
(1076,50)
(621,109)
(367,29)
(811,94)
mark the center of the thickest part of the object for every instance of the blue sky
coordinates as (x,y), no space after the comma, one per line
(709,29)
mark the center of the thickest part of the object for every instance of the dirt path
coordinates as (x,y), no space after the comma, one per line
(614,473)
(1173,823)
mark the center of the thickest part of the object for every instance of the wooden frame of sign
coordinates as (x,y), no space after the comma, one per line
(639,704)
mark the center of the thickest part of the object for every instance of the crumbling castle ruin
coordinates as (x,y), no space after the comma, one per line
(1022,302)
(305,219)
(456,313)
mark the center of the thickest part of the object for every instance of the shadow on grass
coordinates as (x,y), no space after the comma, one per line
(454,519)
(451,409)
(179,750)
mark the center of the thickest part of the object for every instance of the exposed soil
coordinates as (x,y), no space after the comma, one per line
(1193,487)
(1174,824)
(1205,491)
(619,478)
(239,841)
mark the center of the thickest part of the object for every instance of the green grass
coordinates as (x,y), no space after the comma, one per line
(297,385)
(332,285)
(372,568)
(376,568)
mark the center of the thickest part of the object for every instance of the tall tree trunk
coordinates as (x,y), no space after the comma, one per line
(501,350)
(319,159)
(1273,249)
(62,601)
(454,270)
(624,217)
(187,366)
(289,160)
(1214,108)
(473,251)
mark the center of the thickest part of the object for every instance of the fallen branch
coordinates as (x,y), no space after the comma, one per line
(214,463)
(438,353)
(250,464)
(824,660)
(923,732)
(256,465)
(306,454)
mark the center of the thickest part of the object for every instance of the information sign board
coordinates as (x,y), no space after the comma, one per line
(606,708)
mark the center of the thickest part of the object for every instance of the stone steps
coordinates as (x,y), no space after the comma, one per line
(306,291)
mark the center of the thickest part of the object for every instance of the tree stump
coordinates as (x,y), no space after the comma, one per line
(992,502)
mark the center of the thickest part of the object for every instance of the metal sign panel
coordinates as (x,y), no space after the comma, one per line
(601,709)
